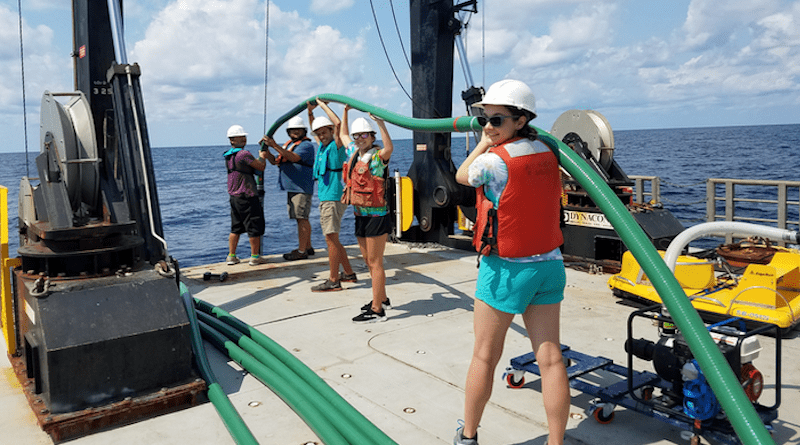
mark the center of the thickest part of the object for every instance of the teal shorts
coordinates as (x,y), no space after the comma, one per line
(511,287)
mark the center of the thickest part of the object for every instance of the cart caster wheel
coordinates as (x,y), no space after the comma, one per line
(514,382)
(644,393)
(602,418)
(692,437)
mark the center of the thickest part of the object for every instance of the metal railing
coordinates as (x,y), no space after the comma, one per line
(641,183)
(782,202)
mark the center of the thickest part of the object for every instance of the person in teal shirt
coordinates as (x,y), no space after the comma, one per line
(328,174)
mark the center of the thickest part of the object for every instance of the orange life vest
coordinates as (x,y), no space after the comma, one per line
(362,188)
(526,221)
(290,145)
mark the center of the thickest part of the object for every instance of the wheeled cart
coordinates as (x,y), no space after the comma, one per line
(662,395)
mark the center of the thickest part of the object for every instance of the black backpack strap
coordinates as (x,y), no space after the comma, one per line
(486,240)
(227,163)
(351,164)
(235,166)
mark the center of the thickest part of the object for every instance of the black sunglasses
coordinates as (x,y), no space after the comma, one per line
(496,121)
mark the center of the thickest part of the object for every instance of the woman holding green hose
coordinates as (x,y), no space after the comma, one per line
(365,176)
(518,236)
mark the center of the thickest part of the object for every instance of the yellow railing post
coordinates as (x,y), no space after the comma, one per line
(6,314)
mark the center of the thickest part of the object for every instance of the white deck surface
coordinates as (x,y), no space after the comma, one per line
(417,359)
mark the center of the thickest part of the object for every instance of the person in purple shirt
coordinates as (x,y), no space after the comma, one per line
(247,213)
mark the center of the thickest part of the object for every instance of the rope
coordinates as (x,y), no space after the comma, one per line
(483,47)
(399,37)
(380,36)
(386,52)
(24,106)
(266,64)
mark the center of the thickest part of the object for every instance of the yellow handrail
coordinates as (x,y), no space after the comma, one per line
(6,314)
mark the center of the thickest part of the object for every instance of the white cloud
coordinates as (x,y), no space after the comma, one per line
(722,54)
(589,25)
(192,41)
(733,50)
(779,33)
(710,23)
(205,60)
(575,29)
(320,58)
(44,68)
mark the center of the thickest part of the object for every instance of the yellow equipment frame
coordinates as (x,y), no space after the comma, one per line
(7,312)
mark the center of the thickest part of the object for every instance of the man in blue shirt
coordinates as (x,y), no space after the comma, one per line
(295,160)
(328,174)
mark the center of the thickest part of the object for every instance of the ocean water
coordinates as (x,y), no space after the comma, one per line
(196,219)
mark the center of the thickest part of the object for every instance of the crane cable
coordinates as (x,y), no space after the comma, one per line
(266,63)
(399,37)
(483,46)
(24,106)
(391,66)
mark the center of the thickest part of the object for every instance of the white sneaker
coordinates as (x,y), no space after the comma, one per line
(256,260)
(231,260)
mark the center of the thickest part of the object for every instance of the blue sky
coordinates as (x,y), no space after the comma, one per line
(642,64)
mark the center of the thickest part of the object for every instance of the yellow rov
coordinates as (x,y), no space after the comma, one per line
(766,293)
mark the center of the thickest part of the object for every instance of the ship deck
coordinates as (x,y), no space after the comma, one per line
(406,375)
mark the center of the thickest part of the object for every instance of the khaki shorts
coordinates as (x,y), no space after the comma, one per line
(299,205)
(330,216)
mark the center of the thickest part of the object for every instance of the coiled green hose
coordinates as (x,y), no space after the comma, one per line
(285,389)
(723,381)
(348,418)
(334,420)
(239,431)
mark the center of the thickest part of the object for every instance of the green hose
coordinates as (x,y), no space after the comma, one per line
(370,433)
(312,416)
(723,381)
(461,124)
(230,417)
(348,429)
(335,418)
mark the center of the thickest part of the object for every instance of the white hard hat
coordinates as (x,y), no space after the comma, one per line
(510,93)
(320,122)
(296,122)
(236,130)
(361,125)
